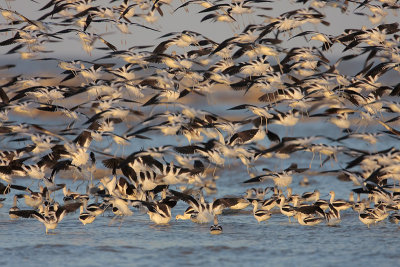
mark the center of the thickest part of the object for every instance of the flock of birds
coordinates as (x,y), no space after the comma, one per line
(107,108)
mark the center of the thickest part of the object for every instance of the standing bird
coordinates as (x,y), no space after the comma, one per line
(85,216)
(260,214)
(14,208)
(338,204)
(287,210)
(50,219)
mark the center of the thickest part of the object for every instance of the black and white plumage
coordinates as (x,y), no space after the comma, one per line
(308,220)
(215,229)
(204,211)
(281,179)
(260,214)
(286,209)
(14,208)
(53,214)
(50,221)
(160,211)
(85,217)
(338,204)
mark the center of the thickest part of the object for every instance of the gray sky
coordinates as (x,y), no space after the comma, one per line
(70,47)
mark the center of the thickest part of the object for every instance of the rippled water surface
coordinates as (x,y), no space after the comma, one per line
(136,241)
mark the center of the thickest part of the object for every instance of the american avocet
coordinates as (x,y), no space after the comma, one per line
(269,203)
(261,192)
(322,203)
(35,199)
(281,179)
(160,211)
(339,204)
(120,206)
(304,182)
(50,221)
(215,229)
(95,209)
(291,198)
(287,210)
(309,220)
(235,203)
(204,211)
(26,213)
(14,208)
(310,196)
(310,210)
(249,136)
(260,214)
(380,212)
(85,216)
(70,196)
(252,193)
(187,214)
(358,206)
(333,216)
(51,218)
(394,218)
(367,218)
(366,215)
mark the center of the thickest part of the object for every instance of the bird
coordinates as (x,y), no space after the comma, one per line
(269,204)
(235,203)
(287,210)
(85,216)
(187,214)
(14,208)
(95,209)
(260,214)
(281,179)
(310,196)
(160,211)
(333,216)
(394,218)
(120,207)
(312,210)
(308,220)
(204,212)
(338,204)
(304,182)
(215,229)
(50,219)
(367,218)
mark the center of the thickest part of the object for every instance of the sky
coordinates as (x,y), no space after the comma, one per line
(189,19)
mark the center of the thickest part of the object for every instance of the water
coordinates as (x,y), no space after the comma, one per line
(135,240)
(244,242)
